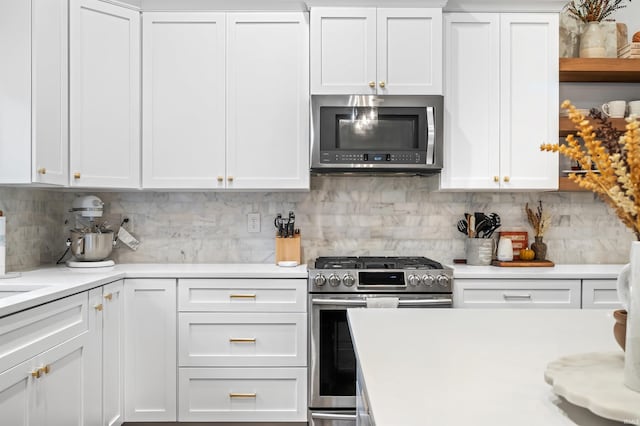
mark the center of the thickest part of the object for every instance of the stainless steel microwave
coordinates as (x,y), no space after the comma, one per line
(376,134)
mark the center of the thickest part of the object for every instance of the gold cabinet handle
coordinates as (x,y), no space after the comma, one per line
(36,373)
(242,340)
(382,84)
(46,369)
(42,171)
(230,178)
(108,296)
(242,296)
(220,178)
(76,175)
(496,179)
(242,395)
(506,179)
(372,84)
(98,307)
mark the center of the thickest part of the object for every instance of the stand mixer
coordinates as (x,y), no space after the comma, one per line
(92,244)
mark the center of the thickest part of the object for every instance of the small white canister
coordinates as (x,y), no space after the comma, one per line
(505,250)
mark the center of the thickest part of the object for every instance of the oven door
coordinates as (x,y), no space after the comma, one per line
(332,361)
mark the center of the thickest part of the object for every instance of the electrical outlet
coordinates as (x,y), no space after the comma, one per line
(253,222)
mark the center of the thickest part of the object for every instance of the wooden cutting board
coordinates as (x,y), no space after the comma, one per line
(523,263)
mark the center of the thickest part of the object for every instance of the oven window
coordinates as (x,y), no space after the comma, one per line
(337,358)
(386,133)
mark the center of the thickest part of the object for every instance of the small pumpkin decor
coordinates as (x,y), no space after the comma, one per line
(527,254)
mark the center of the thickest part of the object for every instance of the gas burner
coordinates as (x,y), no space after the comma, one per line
(338,263)
(376,262)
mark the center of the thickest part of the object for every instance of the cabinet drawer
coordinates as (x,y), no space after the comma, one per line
(28,333)
(517,293)
(242,295)
(600,294)
(229,339)
(242,394)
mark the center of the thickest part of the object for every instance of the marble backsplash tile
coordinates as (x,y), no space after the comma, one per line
(339,216)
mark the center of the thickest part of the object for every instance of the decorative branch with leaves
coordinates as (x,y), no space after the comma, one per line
(611,167)
(539,219)
(593,10)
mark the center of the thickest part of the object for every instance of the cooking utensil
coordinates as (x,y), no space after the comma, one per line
(462,227)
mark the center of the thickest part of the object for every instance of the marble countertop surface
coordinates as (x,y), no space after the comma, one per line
(555,272)
(47,284)
(473,367)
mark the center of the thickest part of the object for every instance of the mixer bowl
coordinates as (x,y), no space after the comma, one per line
(91,246)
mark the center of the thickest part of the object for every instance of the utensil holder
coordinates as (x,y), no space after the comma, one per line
(479,251)
(288,249)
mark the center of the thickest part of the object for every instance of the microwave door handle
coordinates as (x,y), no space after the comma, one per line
(431,136)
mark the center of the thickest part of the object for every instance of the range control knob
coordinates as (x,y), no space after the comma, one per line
(319,280)
(414,280)
(428,280)
(348,280)
(443,280)
(334,280)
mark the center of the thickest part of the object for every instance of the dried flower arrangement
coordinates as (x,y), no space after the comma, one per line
(593,10)
(611,167)
(539,219)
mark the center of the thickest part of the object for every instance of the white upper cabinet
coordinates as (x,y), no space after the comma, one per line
(268,101)
(501,101)
(226,100)
(184,100)
(34,92)
(104,95)
(385,51)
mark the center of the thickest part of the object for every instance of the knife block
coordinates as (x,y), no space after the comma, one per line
(288,249)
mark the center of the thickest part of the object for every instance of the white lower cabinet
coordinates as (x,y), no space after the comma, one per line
(53,369)
(600,294)
(106,316)
(243,394)
(242,350)
(516,293)
(150,350)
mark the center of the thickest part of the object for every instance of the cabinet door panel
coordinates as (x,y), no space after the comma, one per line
(267,101)
(50,135)
(184,100)
(105,95)
(343,50)
(529,100)
(409,51)
(150,350)
(517,293)
(16,396)
(113,354)
(472,101)
(600,294)
(15,91)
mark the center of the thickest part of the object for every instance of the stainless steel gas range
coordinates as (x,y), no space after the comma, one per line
(339,283)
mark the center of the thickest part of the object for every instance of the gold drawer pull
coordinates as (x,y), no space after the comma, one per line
(242,296)
(506,179)
(76,175)
(242,395)
(220,178)
(42,171)
(108,296)
(46,369)
(36,373)
(242,339)
(98,307)
(496,179)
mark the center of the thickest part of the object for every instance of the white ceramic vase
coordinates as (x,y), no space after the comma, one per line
(629,294)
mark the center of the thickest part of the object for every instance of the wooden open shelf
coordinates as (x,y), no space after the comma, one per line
(564,184)
(567,127)
(599,70)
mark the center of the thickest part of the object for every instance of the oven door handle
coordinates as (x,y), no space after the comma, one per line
(334,416)
(401,303)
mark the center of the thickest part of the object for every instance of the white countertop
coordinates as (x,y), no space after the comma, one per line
(450,367)
(555,272)
(62,281)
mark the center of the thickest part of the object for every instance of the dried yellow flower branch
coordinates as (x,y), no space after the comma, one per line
(616,176)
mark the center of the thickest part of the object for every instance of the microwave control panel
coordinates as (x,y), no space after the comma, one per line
(373,158)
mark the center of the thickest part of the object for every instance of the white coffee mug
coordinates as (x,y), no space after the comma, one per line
(634,108)
(614,109)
